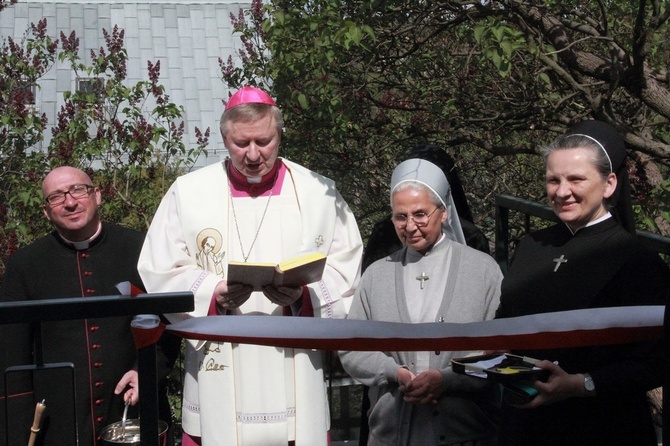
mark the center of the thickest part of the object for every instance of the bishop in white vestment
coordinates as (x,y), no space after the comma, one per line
(254,207)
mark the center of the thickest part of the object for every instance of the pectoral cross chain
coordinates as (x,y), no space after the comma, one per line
(422,278)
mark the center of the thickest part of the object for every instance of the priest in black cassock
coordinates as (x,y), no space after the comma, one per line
(82,257)
(595,395)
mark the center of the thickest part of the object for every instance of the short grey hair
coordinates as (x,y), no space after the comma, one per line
(419,187)
(250,112)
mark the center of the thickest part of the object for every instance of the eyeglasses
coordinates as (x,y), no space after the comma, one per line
(420,218)
(77,192)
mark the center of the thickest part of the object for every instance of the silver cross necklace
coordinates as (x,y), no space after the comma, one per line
(422,278)
(560,260)
(237,228)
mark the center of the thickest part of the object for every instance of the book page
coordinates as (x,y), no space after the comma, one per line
(302,259)
(301,270)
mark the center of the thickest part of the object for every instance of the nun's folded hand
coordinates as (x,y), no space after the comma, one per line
(282,296)
(425,388)
(232,295)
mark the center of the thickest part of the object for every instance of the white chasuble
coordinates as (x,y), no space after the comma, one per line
(243,394)
(248,394)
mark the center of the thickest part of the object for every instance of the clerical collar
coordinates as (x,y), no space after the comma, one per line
(254,186)
(84,244)
(591,223)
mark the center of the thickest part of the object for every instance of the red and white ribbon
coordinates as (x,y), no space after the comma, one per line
(599,326)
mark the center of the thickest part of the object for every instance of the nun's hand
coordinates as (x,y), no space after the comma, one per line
(425,388)
(282,295)
(559,386)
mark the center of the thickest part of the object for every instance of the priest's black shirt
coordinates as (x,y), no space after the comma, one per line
(102,350)
(600,266)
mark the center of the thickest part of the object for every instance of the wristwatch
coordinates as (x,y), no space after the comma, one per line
(589,385)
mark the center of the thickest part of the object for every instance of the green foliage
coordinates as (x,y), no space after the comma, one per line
(499,43)
(127,137)
(21,126)
(362,82)
(131,135)
(656,203)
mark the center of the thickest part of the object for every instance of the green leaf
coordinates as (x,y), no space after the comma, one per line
(302,100)
(479,31)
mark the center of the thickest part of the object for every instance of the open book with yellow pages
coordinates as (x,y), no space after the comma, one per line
(292,272)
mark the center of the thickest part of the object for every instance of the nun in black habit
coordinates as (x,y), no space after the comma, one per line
(595,395)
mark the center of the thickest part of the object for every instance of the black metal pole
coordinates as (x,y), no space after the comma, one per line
(146,368)
(108,306)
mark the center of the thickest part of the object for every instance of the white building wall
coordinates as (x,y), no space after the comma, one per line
(187,37)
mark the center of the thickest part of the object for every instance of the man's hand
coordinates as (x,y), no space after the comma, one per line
(282,296)
(233,295)
(132,395)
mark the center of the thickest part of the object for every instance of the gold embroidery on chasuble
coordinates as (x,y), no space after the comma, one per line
(209,360)
(210,253)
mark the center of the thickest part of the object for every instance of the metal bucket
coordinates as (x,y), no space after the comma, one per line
(128,432)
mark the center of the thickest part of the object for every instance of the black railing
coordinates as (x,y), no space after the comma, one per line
(38,311)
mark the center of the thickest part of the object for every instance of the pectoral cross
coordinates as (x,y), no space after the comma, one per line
(423,277)
(559,261)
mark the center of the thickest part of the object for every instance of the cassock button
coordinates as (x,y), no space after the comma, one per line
(95,346)
(94,328)
(90,291)
(97,364)
(84,255)
(99,384)
(98,402)
(88,273)
(98,420)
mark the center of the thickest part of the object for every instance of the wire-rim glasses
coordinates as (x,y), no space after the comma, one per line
(77,191)
(420,219)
